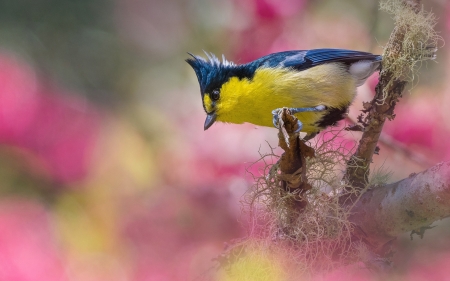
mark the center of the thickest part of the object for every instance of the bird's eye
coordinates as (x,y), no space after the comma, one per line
(215,95)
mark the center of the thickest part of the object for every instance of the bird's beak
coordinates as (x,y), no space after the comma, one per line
(210,119)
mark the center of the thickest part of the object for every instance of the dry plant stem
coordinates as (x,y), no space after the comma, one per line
(380,108)
(385,212)
(293,159)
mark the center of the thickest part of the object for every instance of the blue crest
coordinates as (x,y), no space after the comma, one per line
(213,73)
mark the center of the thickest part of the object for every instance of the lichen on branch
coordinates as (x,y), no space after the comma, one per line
(412,41)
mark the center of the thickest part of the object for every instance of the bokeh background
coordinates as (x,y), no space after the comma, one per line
(105,170)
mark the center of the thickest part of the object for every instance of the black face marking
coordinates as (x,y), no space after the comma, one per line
(332,116)
(212,73)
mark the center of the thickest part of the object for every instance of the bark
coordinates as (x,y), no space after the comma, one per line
(292,161)
(379,109)
(383,213)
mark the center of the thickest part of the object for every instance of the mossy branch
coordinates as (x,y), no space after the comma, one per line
(413,40)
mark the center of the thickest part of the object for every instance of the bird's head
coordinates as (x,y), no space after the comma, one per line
(212,75)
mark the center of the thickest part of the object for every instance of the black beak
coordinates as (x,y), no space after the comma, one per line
(210,119)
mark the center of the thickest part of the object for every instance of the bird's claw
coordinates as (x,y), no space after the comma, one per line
(276,123)
(275,118)
(299,127)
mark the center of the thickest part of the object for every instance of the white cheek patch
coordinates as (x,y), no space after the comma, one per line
(362,70)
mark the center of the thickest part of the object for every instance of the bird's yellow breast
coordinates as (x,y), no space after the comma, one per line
(244,100)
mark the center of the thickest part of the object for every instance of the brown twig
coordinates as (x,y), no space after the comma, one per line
(292,162)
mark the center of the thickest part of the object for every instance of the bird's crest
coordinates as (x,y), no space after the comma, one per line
(209,70)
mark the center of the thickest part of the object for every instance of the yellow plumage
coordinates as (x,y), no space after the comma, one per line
(244,100)
(317,85)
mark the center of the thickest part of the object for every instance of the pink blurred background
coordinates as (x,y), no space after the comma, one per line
(106,172)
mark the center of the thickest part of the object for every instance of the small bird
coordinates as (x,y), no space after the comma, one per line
(317,86)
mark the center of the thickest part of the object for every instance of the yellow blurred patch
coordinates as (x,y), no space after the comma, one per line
(86,220)
(258,265)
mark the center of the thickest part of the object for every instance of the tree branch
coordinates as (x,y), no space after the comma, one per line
(387,93)
(385,212)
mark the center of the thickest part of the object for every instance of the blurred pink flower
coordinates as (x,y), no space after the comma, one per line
(448,16)
(273,9)
(336,139)
(28,249)
(434,267)
(58,128)
(353,272)
(419,124)
(18,98)
(372,81)
(165,235)
(265,31)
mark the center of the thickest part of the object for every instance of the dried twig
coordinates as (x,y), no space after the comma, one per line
(292,163)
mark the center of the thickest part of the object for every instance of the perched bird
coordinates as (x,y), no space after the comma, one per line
(317,86)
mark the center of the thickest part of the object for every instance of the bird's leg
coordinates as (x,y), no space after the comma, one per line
(307,109)
(293,111)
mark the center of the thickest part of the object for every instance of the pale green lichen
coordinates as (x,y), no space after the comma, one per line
(417,37)
(380,176)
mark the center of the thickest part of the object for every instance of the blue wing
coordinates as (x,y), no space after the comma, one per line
(304,59)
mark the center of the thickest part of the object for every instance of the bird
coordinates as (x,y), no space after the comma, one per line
(317,86)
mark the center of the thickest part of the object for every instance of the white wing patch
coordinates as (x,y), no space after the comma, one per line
(362,70)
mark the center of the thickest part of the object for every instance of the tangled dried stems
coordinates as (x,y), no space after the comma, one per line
(314,238)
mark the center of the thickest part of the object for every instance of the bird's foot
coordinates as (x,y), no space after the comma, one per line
(276,117)
(276,114)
